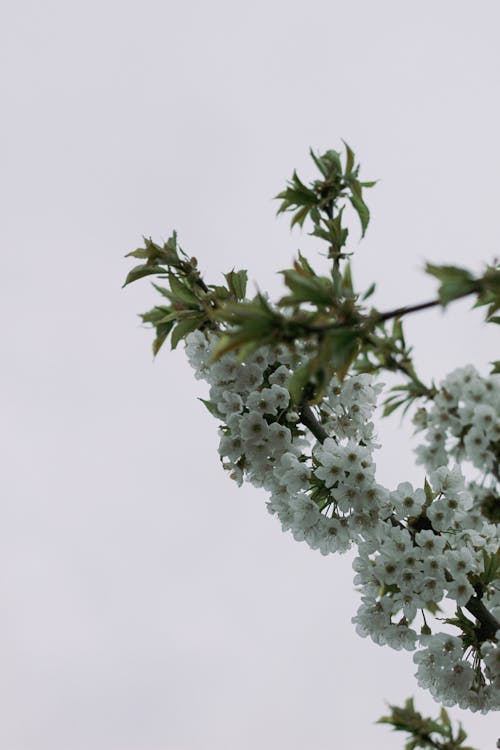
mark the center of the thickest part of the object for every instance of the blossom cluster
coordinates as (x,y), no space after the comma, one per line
(416,546)
(463,423)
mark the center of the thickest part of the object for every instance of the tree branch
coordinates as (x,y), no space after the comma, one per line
(309,420)
(400,311)
(489,624)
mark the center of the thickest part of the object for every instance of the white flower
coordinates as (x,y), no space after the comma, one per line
(263,401)
(231,446)
(280,438)
(280,376)
(460,589)
(253,426)
(297,477)
(407,501)
(334,538)
(447,480)
(431,542)
(230,403)
(249,377)
(400,637)
(432,589)
(281,396)
(440,515)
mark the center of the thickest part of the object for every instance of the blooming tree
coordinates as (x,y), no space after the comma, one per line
(294,386)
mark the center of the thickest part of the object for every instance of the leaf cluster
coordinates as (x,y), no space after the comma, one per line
(319,200)
(456,282)
(433,734)
(191,303)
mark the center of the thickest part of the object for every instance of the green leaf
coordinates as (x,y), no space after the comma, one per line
(455,282)
(155,315)
(300,217)
(429,493)
(305,288)
(162,332)
(305,265)
(212,408)
(184,327)
(389,408)
(362,210)
(182,291)
(237,283)
(369,291)
(139,253)
(144,270)
(349,159)
(347,284)
(445,719)
(339,349)
(298,381)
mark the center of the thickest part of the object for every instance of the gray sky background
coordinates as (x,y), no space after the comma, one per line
(148,604)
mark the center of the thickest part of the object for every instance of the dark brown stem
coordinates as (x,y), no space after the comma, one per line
(489,624)
(373,320)
(400,311)
(309,420)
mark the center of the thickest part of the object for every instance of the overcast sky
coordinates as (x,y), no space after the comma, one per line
(147,603)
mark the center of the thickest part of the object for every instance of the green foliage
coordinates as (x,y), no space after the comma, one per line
(459,282)
(237,283)
(192,303)
(431,734)
(252,324)
(319,200)
(455,282)
(338,332)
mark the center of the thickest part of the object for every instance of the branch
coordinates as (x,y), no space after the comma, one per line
(489,624)
(309,420)
(400,311)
